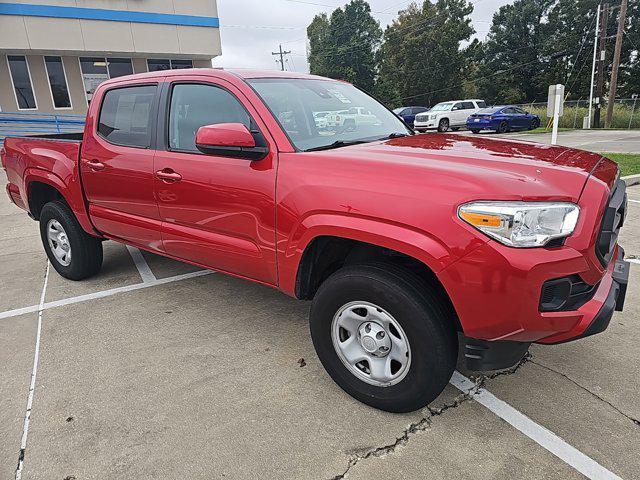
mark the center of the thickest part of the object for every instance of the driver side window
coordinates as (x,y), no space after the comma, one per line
(196,105)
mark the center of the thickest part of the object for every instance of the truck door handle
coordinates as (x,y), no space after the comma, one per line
(167,175)
(95,165)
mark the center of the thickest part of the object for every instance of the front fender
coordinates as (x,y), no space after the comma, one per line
(409,241)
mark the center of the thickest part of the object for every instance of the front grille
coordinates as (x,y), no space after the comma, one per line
(612,221)
(422,118)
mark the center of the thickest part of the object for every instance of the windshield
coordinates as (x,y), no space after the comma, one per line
(351,115)
(441,107)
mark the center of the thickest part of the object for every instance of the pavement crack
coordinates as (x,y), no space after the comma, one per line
(420,426)
(510,371)
(629,417)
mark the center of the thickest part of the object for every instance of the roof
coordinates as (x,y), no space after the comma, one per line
(217,73)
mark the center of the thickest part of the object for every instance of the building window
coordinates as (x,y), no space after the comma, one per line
(57,82)
(21,78)
(178,64)
(94,72)
(157,64)
(126,116)
(118,67)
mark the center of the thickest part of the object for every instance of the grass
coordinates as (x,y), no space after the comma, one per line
(544,130)
(623,116)
(629,162)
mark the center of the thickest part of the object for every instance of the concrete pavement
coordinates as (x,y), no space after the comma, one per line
(613,141)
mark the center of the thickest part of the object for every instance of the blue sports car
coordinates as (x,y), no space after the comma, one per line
(502,119)
(408,114)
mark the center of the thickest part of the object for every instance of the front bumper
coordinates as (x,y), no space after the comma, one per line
(484,355)
(423,126)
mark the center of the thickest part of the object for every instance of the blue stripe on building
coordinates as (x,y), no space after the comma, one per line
(53,11)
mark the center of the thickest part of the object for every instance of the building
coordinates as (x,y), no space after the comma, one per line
(53,53)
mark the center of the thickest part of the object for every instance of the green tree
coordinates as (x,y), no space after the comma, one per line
(511,65)
(535,43)
(420,61)
(344,45)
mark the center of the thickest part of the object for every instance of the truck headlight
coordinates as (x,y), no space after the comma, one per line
(522,224)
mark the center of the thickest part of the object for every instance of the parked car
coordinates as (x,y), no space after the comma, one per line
(351,118)
(502,119)
(408,114)
(400,240)
(447,116)
(321,119)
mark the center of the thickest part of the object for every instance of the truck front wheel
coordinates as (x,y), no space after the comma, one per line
(72,252)
(384,337)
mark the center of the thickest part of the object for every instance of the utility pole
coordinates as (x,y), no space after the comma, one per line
(593,67)
(616,64)
(604,19)
(281,54)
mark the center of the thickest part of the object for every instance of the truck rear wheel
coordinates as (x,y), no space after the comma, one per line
(72,252)
(384,337)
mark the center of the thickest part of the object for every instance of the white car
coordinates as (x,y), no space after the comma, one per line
(448,115)
(352,118)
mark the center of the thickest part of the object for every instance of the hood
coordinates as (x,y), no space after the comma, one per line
(504,168)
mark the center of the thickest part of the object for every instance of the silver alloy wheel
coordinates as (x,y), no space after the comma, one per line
(59,242)
(371,343)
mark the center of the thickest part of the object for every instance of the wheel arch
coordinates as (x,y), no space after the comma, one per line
(325,254)
(43,186)
(40,191)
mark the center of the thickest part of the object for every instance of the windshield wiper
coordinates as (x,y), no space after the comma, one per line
(337,144)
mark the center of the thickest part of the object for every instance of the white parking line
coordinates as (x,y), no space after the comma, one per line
(102,294)
(539,434)
(633,260)
(32,385)
(141,264)
(633,201)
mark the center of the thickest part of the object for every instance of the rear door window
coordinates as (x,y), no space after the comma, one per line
(468,106)
(126,116)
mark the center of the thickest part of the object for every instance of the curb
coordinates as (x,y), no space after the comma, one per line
(632,179)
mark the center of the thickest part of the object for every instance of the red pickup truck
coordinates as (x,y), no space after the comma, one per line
(402,241)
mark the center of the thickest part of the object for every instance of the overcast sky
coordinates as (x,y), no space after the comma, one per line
(252,29)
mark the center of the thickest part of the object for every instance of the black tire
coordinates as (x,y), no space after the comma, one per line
(535,123)
(443,125)
(418,309)
(455,129)
(503,127)
(475,131)
(86,251)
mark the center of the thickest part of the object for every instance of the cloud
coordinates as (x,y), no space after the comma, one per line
(252,29)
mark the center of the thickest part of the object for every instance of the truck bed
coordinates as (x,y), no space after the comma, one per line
(36,162)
